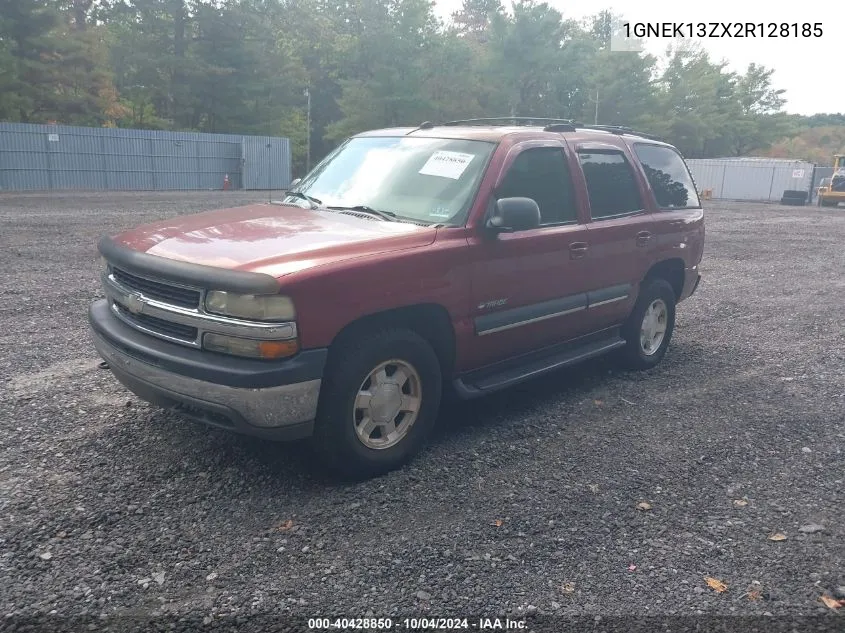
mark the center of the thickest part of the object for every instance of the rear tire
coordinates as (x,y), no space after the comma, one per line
(649,328)
(378,402)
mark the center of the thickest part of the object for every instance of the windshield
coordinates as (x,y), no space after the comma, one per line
(428,180)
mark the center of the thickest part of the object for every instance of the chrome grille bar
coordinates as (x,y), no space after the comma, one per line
(133,302)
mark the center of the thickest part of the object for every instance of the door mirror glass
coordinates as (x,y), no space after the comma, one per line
(515,214)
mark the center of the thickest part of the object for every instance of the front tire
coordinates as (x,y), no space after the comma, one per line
(378,403)
(649,328)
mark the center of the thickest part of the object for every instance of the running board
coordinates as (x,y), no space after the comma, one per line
(506,374)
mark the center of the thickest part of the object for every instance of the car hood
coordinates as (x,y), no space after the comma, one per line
(273,239)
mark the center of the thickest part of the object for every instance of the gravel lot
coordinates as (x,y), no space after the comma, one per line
(524,502)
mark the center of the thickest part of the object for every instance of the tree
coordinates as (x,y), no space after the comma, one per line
(756,126)
(475,18)
(384,76)
(28,55)
(525,58)
(242,66)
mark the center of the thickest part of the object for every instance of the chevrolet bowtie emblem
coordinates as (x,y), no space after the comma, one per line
(134,303)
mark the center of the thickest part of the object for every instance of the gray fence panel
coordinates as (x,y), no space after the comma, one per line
(23,161)
(747,182)
(752,179)
(266,163)
(43,157)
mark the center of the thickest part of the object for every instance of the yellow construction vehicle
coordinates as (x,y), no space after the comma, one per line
(832,193)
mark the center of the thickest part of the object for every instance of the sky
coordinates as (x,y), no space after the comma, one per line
(800,63)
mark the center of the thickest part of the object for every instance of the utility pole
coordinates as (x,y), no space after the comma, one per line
(596,121)
(308,130)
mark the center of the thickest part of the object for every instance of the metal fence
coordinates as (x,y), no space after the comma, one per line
(753,179)
(44,157)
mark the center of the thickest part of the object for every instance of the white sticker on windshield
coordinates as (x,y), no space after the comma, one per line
(446,164)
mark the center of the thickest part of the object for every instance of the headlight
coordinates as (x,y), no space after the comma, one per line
(250,348)
(256,307)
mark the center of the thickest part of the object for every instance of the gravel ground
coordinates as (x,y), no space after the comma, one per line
(524,502)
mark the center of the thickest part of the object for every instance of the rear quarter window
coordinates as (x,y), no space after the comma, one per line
(668,176)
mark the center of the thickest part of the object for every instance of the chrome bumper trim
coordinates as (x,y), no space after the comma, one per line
(266,408)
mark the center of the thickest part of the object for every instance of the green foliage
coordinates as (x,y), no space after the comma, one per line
(242,66)
(816,144)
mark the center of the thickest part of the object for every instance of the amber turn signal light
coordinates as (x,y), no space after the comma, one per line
(278,349)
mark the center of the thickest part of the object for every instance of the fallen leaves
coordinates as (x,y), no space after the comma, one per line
(567,588)
(740,503)
(644,506)
(284,527)
(832,603)
(754,594)
(498,523)
(778,536)
(715,584)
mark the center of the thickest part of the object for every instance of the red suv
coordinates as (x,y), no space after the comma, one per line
(470,255)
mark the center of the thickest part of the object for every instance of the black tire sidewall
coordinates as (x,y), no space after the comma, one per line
(335,435)
(652,290)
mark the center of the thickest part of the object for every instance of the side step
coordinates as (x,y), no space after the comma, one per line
(512,372)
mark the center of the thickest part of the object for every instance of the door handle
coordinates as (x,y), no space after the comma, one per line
(643,237)
(578,250)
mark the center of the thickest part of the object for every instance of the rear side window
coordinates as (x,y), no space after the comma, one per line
(668,176)
(610,184)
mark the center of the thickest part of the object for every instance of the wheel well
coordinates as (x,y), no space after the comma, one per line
(672,270)
(429,320)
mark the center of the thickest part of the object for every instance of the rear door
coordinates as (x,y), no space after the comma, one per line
(678,228)
(528,287)
(619,236)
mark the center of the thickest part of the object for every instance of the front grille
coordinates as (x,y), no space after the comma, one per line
(160,326)
(175,295)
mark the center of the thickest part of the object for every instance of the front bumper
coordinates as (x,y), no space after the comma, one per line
(274,400)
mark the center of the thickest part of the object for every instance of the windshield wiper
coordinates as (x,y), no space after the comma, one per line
(298,194)
(362,208)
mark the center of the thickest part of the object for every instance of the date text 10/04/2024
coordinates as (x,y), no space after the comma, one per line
(416,624)
(723,29)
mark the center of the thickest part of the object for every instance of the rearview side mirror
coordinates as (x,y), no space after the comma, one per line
(514,214)
(294,183)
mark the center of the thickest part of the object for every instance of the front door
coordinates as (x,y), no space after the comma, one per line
(528,286)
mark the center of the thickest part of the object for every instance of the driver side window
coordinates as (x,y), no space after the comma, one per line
(542,174)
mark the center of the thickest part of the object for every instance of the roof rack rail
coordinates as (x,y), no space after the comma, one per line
(560,127)
(511,120)
(549,125)
(617,129)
